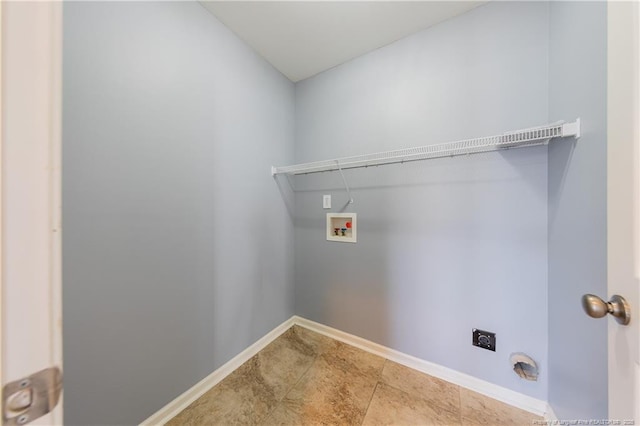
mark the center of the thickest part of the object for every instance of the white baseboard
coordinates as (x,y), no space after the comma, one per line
(516,399)
(170,410)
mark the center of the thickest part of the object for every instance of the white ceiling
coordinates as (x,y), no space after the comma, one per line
(303,38)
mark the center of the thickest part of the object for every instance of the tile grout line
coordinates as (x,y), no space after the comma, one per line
(315,358)
(369,404)
(374,391)
(427,400)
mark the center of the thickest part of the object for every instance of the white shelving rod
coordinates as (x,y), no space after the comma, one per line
(515,139)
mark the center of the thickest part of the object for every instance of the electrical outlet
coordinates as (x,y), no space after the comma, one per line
(484,339)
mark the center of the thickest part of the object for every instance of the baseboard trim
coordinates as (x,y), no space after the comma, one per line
(508,396)
(174,407)
(516,399)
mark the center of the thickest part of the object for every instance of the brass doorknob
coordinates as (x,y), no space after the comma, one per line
(617,306)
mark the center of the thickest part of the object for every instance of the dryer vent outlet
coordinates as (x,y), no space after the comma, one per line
(524,366)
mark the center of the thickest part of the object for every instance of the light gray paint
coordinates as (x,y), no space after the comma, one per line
(577,210)
(177,244)
(447,245)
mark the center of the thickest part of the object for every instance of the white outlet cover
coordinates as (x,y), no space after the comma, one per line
(326,201)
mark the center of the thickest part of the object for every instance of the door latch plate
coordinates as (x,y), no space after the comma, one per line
(32,397)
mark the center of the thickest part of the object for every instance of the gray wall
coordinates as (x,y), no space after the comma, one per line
(177,244)
(577,210)
(446,245)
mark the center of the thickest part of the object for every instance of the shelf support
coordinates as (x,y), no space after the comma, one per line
(571,129)
(344,180)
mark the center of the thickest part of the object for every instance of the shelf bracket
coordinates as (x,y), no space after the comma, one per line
(344,180)
(571,129)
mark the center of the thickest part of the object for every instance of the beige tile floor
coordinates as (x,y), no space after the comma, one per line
(304,378)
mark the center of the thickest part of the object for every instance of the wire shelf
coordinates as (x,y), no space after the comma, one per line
(515,139)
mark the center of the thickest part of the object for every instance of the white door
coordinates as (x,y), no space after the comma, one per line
(30,123)
(623,206)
